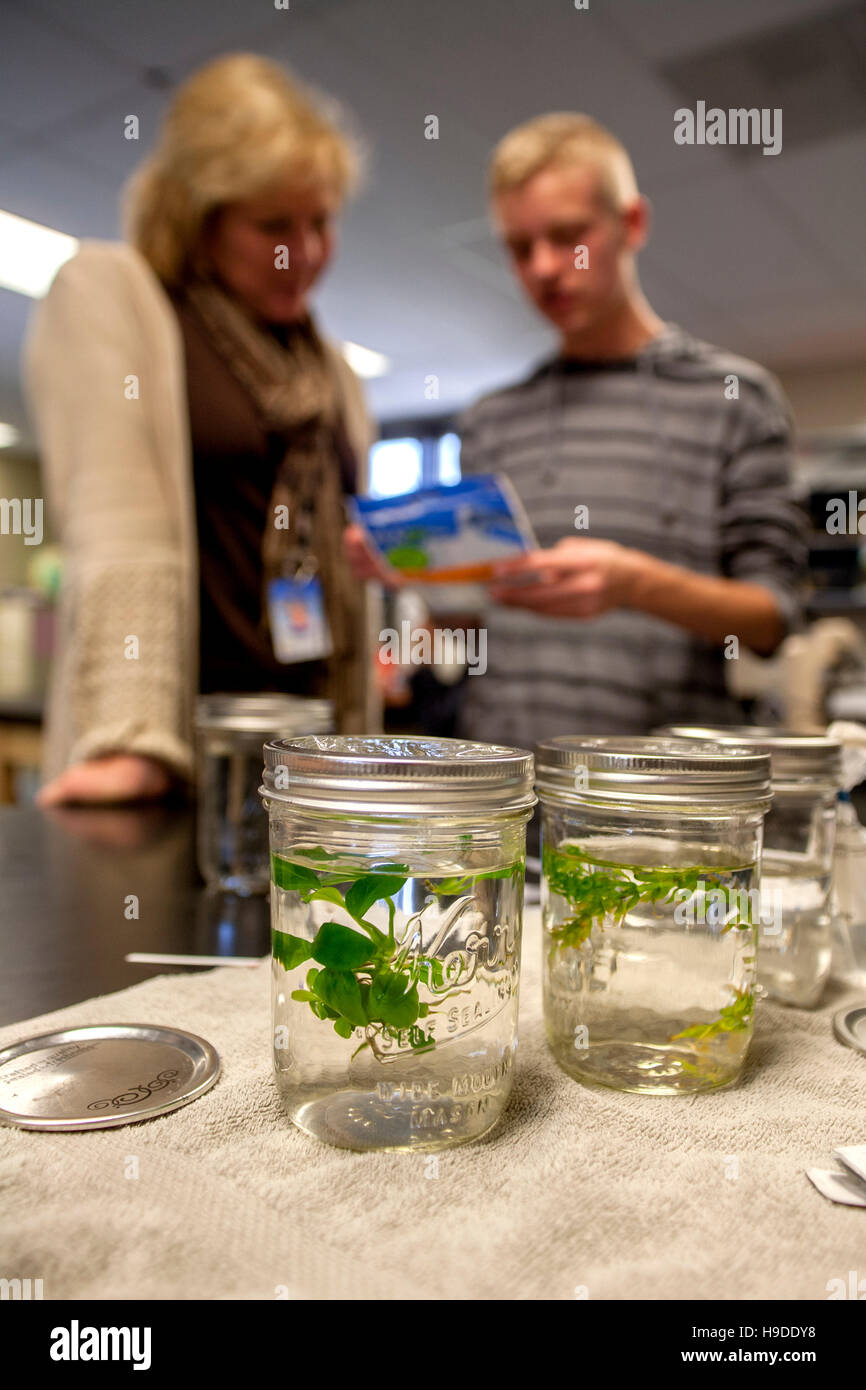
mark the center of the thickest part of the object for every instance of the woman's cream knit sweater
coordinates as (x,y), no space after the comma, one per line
(104,373)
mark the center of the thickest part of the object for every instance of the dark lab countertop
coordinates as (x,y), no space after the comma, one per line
(22,709)
(67,877)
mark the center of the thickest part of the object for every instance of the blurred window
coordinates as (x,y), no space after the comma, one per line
(448,459)
(396,465)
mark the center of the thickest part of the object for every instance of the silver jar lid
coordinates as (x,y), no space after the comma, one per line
(397,775)
(261,714)
(794,757)
(849,1025)
(103,1074)
(651,772)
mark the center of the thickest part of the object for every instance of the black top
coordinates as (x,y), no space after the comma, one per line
(234,467)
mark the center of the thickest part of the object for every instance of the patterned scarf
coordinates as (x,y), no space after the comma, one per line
(297,394)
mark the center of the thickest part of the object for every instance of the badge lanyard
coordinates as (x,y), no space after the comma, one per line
(296,601)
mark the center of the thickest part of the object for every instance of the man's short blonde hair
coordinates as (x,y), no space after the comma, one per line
(559,140)
(235,129)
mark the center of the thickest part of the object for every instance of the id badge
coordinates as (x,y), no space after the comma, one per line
(299,626)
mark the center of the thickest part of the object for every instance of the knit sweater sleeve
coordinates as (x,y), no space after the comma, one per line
(120,682)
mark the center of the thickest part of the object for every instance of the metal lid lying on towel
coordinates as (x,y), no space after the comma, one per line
(849,1025)
(397,775)
(102,1075)
(652,772)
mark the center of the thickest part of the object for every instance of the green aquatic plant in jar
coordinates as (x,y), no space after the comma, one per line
(397,871)
(371,979)
(650,909)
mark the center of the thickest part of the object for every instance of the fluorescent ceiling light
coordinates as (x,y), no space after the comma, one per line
(31,255)
(365,361)
(8,435)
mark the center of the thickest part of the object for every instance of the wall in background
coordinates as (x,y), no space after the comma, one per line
(827,398)
(19,477)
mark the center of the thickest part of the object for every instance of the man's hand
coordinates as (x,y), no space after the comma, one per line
(115,777)
(365,562)
(582,578)
(578,578)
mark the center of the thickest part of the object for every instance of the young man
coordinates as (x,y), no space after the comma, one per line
(654,469)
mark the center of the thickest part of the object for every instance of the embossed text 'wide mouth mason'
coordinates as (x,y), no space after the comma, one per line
(397,775)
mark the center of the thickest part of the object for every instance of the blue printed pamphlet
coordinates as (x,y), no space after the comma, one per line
(450,534)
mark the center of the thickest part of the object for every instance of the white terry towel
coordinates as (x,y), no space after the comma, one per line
(577,1194)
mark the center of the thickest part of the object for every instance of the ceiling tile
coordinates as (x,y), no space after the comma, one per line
(45,74)
(823,188)
(58,192)
(163,33)
(665,28)
(97,140)
(721,238)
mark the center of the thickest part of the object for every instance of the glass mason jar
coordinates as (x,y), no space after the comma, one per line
(650,874)
(795,944)
(231,831)
(397,870)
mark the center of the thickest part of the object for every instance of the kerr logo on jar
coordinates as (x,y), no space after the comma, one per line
(442,973)
(459,969)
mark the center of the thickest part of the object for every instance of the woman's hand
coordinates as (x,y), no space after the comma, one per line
(364,561)
(114,777)
(577,578)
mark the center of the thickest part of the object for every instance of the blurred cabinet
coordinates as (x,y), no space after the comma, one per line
(20,751)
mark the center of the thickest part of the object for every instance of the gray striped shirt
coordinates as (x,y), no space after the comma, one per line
(665,462)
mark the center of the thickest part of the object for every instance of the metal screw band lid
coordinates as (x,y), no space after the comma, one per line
(263,714)
(652,772)
(392,775)
(794,757)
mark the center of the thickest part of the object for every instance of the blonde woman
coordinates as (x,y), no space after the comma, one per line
(198,439)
